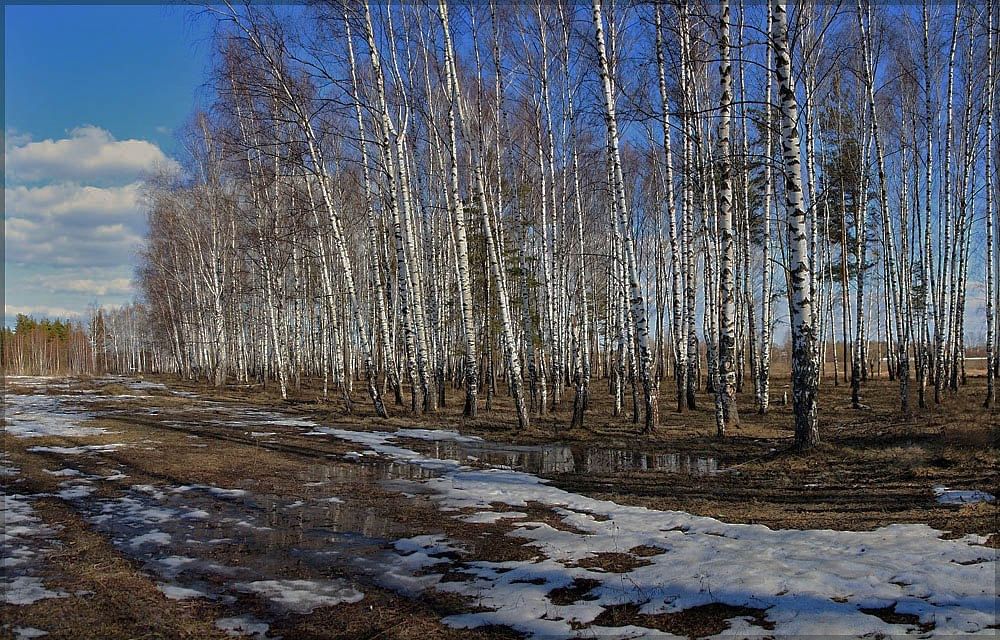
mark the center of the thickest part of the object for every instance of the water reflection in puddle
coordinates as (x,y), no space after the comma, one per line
(557,459)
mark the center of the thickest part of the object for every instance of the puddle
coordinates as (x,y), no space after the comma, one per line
(227,544)
(556,459)
(443,451)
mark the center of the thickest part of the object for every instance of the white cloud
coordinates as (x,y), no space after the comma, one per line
(69,202)
(15,138)
(72,224)
(89,153)
(73,219)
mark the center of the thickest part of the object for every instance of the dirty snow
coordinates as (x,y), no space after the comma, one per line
(242,626)
(24,543)
(36,416)
(74,451)
(954,496)
(175,592)
(809,581)
(64,472)
(302,596)
(75,489)
(153,537)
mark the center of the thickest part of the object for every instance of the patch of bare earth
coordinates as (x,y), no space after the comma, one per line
(696,622)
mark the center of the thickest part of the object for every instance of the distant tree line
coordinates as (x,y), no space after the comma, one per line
(115,340)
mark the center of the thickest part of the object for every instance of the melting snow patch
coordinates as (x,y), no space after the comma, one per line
(811,581)
(153,537)
(150,489)
(242,626)
(489,517)
(75,489)
(26,633)
(804,581)
(73,451)
(144,384)
(215,491)
(293,422)
(302,596)
(35,416)
(64,472)
(21,549)
(173,565)
(27,590)
(955,496)
(175,592)
(378,443)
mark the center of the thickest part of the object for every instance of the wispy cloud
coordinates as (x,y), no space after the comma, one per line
(66,281)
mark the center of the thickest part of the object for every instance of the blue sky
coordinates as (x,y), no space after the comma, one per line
(92,96)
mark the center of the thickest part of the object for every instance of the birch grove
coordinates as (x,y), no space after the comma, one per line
(509,202)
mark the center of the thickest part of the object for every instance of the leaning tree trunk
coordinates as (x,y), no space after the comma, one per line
(622,226)
(461,241)
(800,297)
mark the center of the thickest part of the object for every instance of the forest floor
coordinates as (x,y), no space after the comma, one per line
(143,509)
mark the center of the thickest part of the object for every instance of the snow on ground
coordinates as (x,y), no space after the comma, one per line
(242,626)
(35,416)
(215,491)
(144,384)
(175,592)
(75,489)
(5,470)
(809,581)
(24,543)
(74,451)
(155,523)
(805,581)
(378,443)
(64,472)
(954,496)
(302,596)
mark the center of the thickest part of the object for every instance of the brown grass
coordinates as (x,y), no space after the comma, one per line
(874,467)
